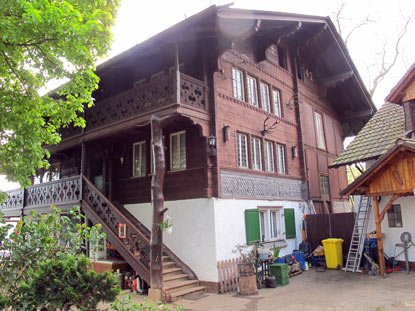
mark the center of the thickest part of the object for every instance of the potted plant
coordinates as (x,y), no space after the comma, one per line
(246,269)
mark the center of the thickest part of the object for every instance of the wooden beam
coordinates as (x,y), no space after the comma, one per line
(379,236)
(388,206)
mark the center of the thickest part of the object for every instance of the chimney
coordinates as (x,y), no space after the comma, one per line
(409,112)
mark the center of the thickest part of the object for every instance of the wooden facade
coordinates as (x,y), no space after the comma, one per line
(186,75)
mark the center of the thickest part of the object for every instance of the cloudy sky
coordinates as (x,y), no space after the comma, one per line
(139,20)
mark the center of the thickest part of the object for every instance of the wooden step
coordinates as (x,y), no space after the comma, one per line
(166,258)
(173,277)
(180,284)
(171,270)
(183,293)
(167,264)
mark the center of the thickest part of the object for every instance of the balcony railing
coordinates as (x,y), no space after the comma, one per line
(59,192)
(147,97)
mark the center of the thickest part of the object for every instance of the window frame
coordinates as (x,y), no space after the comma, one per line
(256,143)
(265,96)
(392,217)
(238,155)
(267,225)
(283,166)
(235,89)
(282,57)
(178,134)
(277,105)
(271,153)
(252,90)
(319,130)
(327,183)
(142,153)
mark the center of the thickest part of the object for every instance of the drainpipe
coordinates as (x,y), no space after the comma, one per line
(303,162)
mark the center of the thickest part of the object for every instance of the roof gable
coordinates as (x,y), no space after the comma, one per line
(404,90)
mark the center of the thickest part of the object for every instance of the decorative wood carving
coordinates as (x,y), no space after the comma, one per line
(136,242)
(144,98)
(55,192)
(14,199)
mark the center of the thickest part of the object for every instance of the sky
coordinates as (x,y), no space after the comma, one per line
(140,20)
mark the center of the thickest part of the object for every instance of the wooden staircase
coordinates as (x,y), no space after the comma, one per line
(178,279)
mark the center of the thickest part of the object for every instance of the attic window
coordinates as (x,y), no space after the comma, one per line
(282,57)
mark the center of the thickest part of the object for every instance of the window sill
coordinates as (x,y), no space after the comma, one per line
(178,170)
(280,243)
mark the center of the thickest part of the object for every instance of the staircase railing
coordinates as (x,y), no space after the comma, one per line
(135,247)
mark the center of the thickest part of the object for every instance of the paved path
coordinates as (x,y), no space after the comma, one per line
(319,291)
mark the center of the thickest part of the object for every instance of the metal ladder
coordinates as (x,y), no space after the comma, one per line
(358,236)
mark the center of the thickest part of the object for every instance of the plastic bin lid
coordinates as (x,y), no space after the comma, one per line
(333,241)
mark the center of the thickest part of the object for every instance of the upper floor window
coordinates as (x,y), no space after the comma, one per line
(51,174)
(282,57)
(276,99)
(269,156)
(139,159)
(238,84)
(300,71)
(252,91)
(266,105)
(242,150)
(395,216)
(178,151)
(321,143)
(256,154)
(324,185)
(281,159)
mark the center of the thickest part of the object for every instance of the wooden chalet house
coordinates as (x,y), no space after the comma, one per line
(258,104)
(387,145)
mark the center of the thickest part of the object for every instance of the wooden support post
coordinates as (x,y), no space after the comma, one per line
(379,236)
(157,198)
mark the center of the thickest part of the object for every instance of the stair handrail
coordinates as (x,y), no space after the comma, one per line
(115,209)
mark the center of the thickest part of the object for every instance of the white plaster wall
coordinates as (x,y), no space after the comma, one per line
(393,235)
(230,224)
(193,233)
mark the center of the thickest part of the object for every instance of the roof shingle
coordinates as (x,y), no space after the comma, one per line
(376,137)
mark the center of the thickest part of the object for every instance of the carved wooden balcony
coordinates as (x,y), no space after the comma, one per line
(143,99)
(61,193)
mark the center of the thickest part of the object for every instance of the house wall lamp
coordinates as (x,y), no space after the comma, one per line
(211,140)
(226,133)
(294,151)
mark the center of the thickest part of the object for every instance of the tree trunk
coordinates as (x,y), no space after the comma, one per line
(157,198)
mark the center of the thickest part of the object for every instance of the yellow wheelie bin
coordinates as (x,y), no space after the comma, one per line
(333,253)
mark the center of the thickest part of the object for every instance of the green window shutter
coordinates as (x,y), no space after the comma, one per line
(289,223)
(252,225)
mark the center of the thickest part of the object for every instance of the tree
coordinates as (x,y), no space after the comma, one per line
(42,41)
(45,253)
(388,49)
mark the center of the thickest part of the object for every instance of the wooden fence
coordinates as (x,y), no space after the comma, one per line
(228,275)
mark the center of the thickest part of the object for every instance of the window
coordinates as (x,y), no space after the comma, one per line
(242,150)
(300,71)
(321,143)
(55,170)
(395,216)
(238,84)
(269,156)
(178,151)
(265,97)
(282,57)
(139,159)
(46,175)
(256,154)
(252,91)
(269,223)
(281,159)
(324,185)
(276,100)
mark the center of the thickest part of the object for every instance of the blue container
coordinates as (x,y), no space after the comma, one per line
(299,257)
(280,260)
